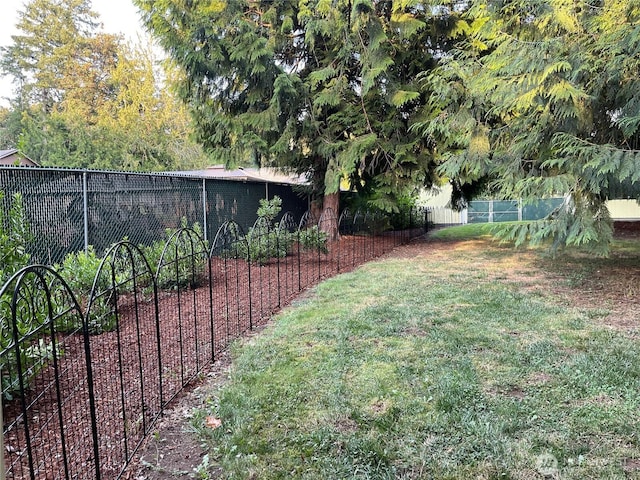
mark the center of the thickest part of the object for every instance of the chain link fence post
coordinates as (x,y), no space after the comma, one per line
(205,227)
(85,211)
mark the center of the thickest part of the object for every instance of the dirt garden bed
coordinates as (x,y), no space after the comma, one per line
(131,386)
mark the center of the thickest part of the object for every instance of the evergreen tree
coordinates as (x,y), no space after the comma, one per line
(54,36)
(326,88)
(542,98)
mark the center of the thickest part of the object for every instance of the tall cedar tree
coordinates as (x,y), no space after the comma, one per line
(542,98)
(55,37)
(326,88)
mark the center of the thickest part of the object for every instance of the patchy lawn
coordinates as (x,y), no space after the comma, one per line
(454,357)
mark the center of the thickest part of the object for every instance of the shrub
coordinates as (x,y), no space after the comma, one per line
(263,241)
(79,269)
(14,236)
(181,267)
(314,239)
(32,359)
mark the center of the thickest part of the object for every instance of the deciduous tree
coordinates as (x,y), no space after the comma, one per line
(87,99)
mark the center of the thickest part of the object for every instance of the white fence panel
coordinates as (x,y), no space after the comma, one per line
(446,216)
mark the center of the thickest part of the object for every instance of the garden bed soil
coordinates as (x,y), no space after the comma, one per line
(129,395)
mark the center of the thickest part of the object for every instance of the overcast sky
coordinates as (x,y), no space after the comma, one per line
(117,16)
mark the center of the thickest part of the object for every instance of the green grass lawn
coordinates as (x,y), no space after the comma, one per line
(422,368)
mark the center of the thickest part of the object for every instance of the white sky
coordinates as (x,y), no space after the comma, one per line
(117,16)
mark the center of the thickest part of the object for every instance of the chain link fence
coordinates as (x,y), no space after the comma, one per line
(68,210)
(493,211)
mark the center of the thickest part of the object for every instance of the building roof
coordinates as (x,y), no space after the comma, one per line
(7,153)
(269,175)
(23,160)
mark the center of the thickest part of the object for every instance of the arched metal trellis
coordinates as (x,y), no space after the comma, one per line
(184,270)
(49,422)
(287,231)
(263,246)
(126,355)
(345,222)
(326,241)
(230,263)
(346,228)
(307,222)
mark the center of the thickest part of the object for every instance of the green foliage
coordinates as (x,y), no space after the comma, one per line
(86,99)
(264,241)
(184,261)
(323,88)
(14,237)
(269,209)
(313,238)
(80,269)
(33,359)
(541,99)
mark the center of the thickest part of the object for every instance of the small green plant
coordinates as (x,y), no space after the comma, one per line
(269,209)
(32,360)
(79,269)
(14,236)
(263,243)
(314,239)
(202,470)
(183,264)
(263,240)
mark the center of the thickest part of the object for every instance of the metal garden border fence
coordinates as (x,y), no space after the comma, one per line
(85,375)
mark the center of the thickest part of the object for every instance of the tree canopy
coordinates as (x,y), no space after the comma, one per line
(512,98)
(324,87)
(85,98)
(542,98)
(515,98)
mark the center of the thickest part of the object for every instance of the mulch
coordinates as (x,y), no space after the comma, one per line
(145,366)
(145,391)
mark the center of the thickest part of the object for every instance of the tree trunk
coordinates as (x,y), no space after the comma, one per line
(329,216)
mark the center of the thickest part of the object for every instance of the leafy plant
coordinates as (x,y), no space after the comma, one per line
(183,264)
(79,269)
(263,243)
(14,236)
(313,239)
(32,360)
(269,209)
(263,240)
